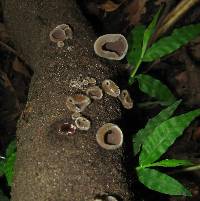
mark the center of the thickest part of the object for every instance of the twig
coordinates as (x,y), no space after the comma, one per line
(174,16)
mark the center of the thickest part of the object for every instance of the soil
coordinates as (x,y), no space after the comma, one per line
(35,78)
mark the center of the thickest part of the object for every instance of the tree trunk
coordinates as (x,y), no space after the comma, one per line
(49,166)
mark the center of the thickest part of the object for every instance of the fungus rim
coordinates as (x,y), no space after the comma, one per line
(110,38)
(103,130)
(114,93)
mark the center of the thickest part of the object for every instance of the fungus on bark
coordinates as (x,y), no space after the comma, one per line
(126,99)
(94,92)
(77,103)
(61,33)
(111,46)
(110,88)
(109,136)
(82,123)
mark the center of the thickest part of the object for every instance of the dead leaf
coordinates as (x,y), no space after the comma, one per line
(135,10)
(20,67)
(110,6)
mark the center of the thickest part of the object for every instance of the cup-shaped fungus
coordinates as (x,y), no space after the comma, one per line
(82,123)
(77,103)
(110,88)
(60,33)
(94,92)
(106,198)
(111,46)
(109,136)
(126,99)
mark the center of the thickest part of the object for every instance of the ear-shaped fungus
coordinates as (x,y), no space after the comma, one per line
(110,88)
(77,103)
(109,136)
(60,33)
(126,99)
(82,123)
(111,46)
(94,92)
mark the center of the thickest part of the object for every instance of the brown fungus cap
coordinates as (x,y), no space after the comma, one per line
(110,88)
(126,99)
(111,46)
(109,136)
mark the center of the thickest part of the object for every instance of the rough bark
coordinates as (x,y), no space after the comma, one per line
(51,167)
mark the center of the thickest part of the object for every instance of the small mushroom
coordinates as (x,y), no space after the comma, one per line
(91,80)
(94,92)
(106,198)
(60,33)
(110,88)
(82,123)
(111,46)
(109,136)
(67,29)
(77,103)
(66,128)
(126,99)
(76,115)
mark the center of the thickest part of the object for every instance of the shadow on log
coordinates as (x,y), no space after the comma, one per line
(49,166)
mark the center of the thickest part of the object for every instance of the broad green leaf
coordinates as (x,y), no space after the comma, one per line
(147,36)
(156,89)
(2,167)
(167,45)
(142,134)
(171,163)
(9,168)
(160,182)
(164,136)
(11,148)
(3,197)
(135,40)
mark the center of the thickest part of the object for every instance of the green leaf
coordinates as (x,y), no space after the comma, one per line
(167,45)
(9,168)
(135,40)
(171,163)
(164,136)
(147,36)
(149,32)
(142,134)
(11,148)
(156,89)
(2,167)
(160,182)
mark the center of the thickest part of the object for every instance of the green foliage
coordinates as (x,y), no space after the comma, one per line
(11,148)
(137,51)
(7,165)
(9,168)
(138,47)
(157,136)
(172,163)
(156,89)
(164,136)
(142,134)
(135,40)
(160,182)
(167,45)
